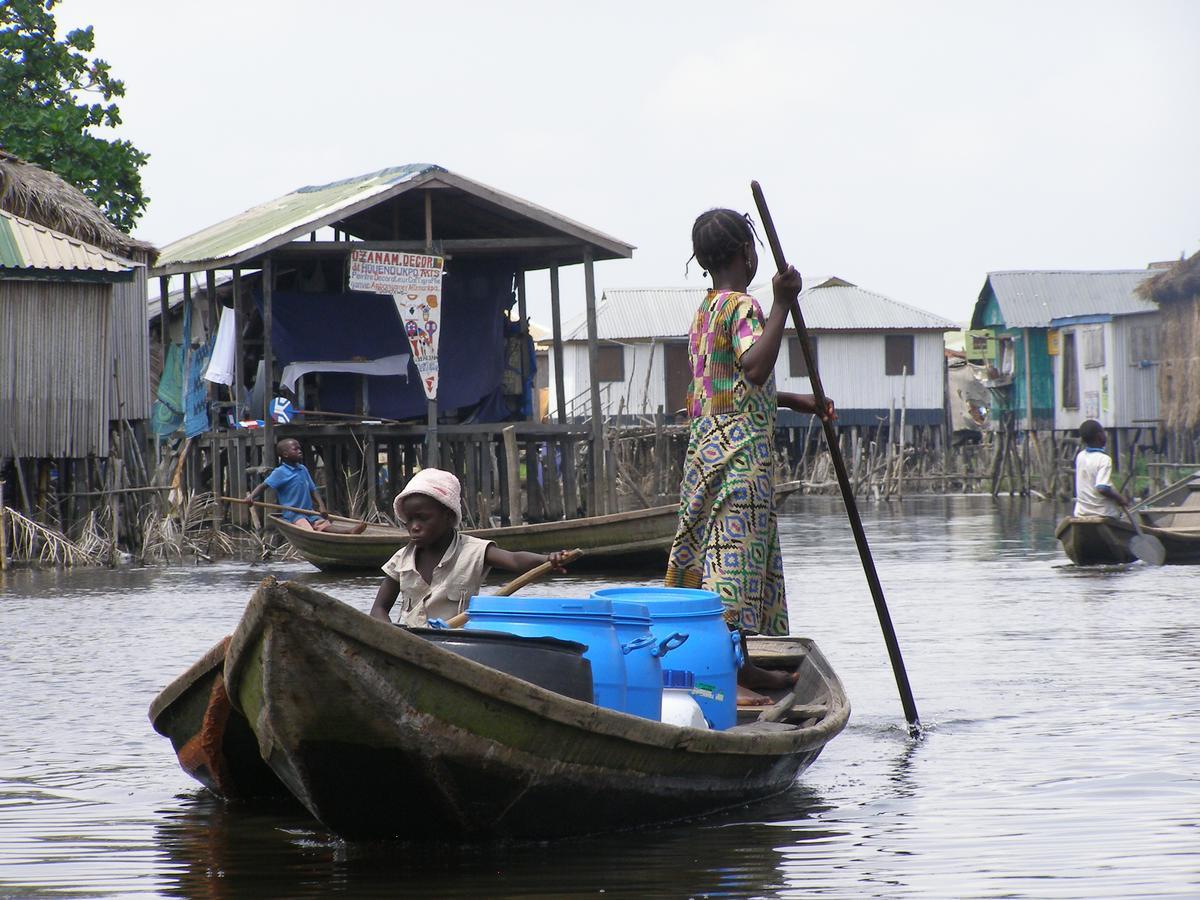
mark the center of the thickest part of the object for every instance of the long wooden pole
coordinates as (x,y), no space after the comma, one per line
(839,466)
(295,509)
(519,582)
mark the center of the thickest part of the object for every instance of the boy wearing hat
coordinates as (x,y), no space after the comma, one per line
(440,568)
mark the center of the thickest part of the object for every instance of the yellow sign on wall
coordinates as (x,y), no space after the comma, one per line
(1053,341)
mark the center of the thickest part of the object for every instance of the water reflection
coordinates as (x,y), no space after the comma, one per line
(218,851)
(1060,756)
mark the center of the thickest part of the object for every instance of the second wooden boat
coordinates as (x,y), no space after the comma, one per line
(380,733)
(635,537)
(1172,515)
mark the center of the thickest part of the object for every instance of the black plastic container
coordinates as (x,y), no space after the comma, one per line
(555,665)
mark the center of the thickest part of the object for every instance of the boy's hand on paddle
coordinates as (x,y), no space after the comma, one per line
(558,560)
(787,285)
(830,413)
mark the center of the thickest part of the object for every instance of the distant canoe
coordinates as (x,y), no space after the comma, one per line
(380,733)
(1172,515)
(635,537)
(212,741)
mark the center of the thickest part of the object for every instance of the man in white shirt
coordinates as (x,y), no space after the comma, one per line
(1094,493)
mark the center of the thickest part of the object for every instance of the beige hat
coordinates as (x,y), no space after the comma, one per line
(439,484)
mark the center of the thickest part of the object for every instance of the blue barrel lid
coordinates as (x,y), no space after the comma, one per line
(628,611)
(665,601)
(678,678)
(552,607)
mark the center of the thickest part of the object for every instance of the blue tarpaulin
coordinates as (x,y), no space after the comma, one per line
(471,348)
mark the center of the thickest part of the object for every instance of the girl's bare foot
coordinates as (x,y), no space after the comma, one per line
(759,679)
(747,697)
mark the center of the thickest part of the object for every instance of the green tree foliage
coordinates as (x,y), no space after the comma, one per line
(52,94)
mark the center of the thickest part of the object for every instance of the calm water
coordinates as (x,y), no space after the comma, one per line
(1061,756)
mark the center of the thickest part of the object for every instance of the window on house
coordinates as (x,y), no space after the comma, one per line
(610,362)
(1006,356)
(1143,344)
(898,354)
(1093,347)
(797,368)
(1070,372)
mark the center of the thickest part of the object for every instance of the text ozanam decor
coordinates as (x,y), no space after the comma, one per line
(415,282)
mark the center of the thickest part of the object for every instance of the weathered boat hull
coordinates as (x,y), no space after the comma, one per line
(1095,540)
(212,740)
(636,538)
(379,733)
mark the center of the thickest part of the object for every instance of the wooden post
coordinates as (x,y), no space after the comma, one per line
(431,409)
(569,479)
(560,386)
(1028,384)
(903,410)
(512,474)
(214,311)
(597,460)
(164,304)
(3,534)
(237,389)
(268,290)
(523,314)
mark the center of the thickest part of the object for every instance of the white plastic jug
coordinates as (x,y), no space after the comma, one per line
(679,707)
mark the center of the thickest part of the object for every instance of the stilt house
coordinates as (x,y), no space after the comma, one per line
(73,339)
(1176,291)
(345,354)
(1064,346)
(874,354)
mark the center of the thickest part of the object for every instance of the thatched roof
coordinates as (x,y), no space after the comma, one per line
(1179,283)
(41,196)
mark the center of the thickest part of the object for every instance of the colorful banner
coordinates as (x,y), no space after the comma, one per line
(415,282)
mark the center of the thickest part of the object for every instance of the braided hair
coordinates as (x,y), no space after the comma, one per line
(718,235)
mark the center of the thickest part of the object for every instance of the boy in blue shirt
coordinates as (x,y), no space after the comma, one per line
(294,486)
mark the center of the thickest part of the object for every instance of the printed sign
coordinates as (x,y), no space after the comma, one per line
(415,282)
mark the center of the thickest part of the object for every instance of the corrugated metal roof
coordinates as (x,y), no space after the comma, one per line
(1032,299)
(25,245)
(831,305)
(278,221)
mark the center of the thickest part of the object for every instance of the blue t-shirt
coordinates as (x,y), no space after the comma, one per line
(293,487)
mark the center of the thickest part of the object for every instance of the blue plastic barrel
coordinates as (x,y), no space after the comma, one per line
(586,621)
(643,658)
(712,653)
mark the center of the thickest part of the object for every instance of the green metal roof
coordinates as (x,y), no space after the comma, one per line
(26,246)
(277,222)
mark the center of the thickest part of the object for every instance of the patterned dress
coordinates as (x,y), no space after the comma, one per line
(727,540)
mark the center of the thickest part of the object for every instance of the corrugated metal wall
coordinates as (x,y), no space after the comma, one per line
(130,345)
(1131,395)
(55,368)
(852,372)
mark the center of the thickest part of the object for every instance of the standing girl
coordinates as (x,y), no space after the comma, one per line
(727,540)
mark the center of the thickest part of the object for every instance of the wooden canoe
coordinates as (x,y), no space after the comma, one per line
(1172,515)
(212,740)
(382,734)
(636,537)
(1096,540)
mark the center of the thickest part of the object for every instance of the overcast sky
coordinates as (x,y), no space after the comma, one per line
(907,147)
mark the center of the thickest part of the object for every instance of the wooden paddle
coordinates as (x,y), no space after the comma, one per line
(295,509)
(519,582)
(1145,547)
(843,477)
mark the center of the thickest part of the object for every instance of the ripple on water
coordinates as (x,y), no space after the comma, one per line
(1059,757)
